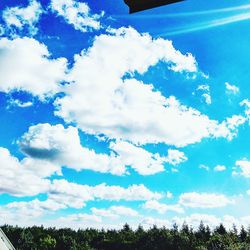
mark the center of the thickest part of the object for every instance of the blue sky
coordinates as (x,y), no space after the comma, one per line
(108,118)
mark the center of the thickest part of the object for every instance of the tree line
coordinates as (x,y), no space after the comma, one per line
(183,238)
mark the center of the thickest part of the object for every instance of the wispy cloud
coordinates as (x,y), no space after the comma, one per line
(207,24)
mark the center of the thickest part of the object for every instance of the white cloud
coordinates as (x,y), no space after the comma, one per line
(132,193)
(175,157)
(195,220)
(62,194)
(23,17)
(161,207)
(235,121)
(174,170)
(232,88)
(25,64)
(169,195)
(246,104)
(242,168)
(202,166)
(206,93)
(150,222)
(30,214)
(20,104)
(48,148)
(219,168)
(162,50)
(204,87)
(204,200)
(77,14)
(63,188)
(114,212)
(128,109)
(35,207)
(229,127)
(84,220)
(21,178)
(16,214)
(207,98)
(142,161)
(213,221)
(70,194)
(80,218)
(62,146)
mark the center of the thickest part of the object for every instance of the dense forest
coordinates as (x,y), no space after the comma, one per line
(184,238)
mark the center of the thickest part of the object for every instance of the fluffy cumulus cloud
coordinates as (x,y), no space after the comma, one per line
(22,178)
(117,105)
(77,14)
(13,216)
(232,88)
(242,167)
(63,188)
(219,168)
(235,121)
(204,200)
(25,64)
(62,147)
(30,214)
(229,127)
(142,161)
(175,157)
(42,162)
(161,207)
(23,18)
(34,208)
(114,212)
(59,197)
(62,194)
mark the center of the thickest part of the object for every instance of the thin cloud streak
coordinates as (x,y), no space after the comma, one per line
(207,25)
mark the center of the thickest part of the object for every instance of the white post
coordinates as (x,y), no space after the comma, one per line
(5,244)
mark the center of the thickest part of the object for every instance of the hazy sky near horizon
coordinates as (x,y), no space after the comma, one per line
(108,118)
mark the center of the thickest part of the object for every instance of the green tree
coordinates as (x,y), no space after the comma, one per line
(47,242)
(243,234)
